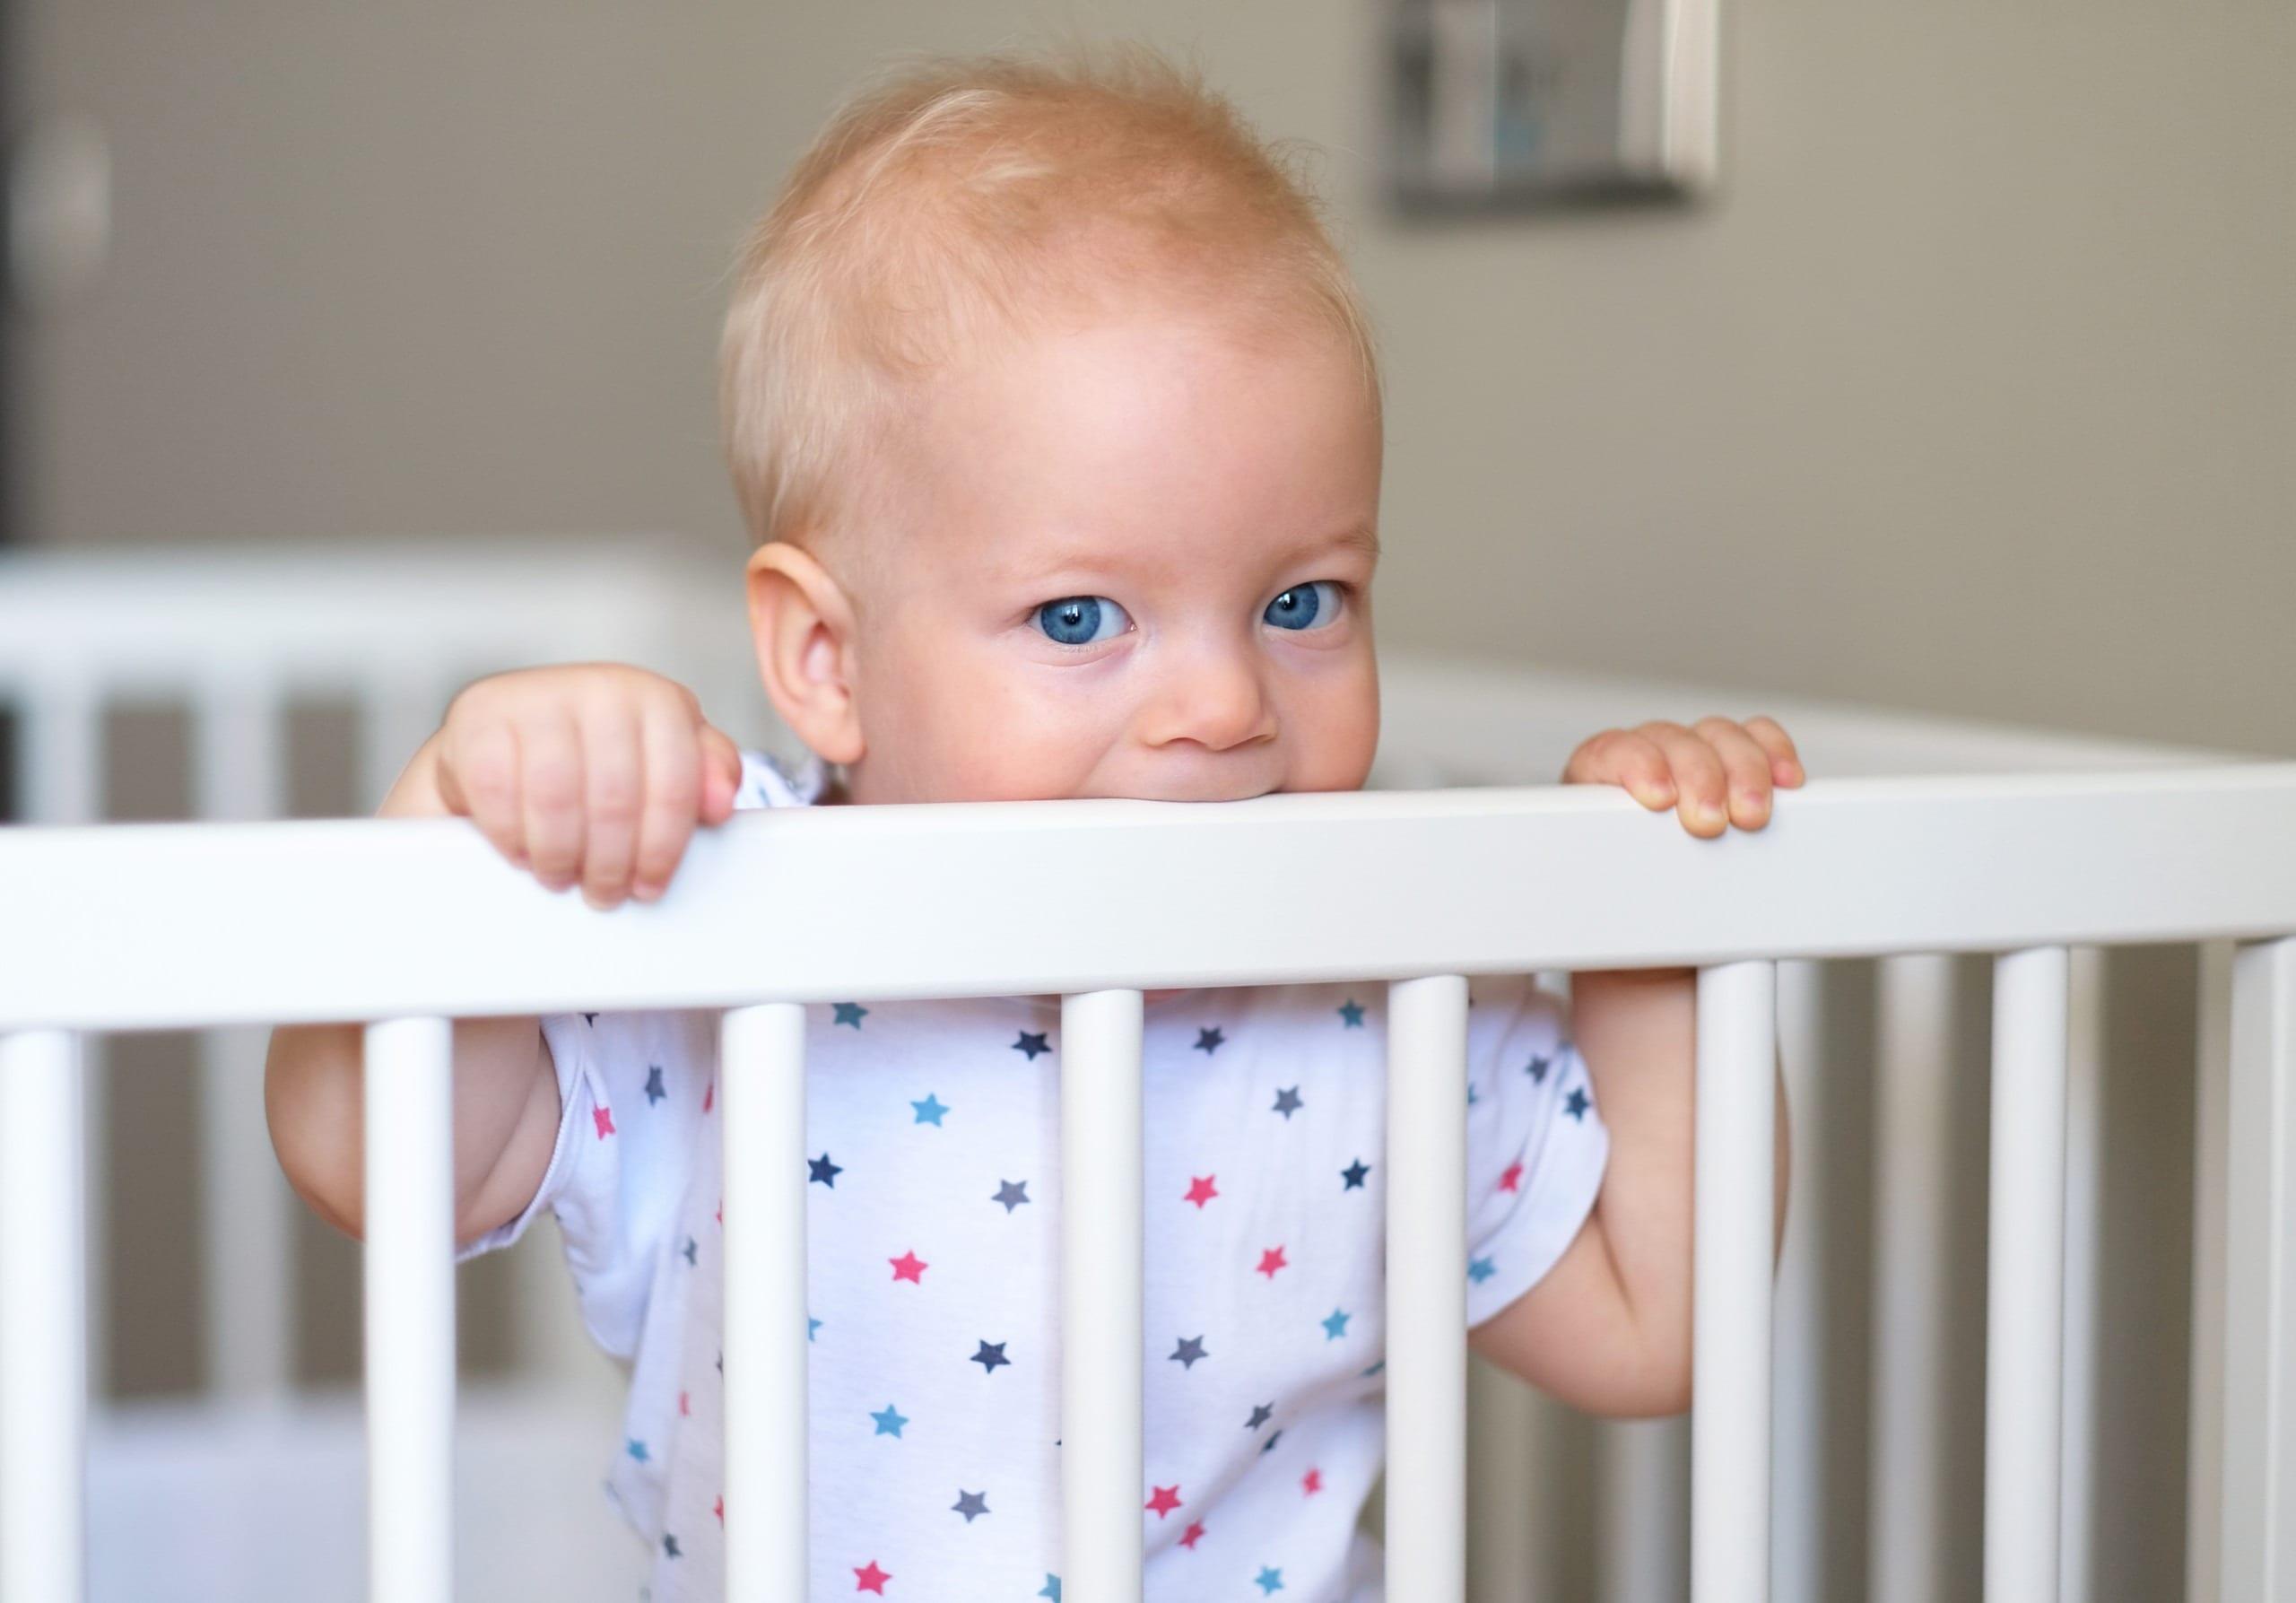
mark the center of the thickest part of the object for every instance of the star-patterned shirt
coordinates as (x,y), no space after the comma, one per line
(933,1157)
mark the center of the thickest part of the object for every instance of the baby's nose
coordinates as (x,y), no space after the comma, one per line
(1217,702)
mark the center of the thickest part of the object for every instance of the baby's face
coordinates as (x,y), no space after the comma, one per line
(1135,560)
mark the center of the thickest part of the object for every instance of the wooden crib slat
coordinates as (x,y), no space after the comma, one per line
(1426,1289)
(1736,1200)
(762,1090)
(2258,1478)
(43,1319)
(1101,1178)
(408,1215)
(2025,1375)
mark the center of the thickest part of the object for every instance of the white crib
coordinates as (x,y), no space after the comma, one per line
(93,929)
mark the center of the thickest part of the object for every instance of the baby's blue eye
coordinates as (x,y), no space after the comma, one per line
(1082,620)
(1305,606)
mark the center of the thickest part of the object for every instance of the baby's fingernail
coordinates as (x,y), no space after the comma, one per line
(1708,815)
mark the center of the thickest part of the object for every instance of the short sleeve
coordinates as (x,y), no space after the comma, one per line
(1536,1146)
(634,1089)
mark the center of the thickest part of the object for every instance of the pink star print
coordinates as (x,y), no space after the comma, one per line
(1201,1191)
(709,1095)
(604,1118)
(1165,1501)
(718,1508)
(1272,1260)
(872,1579)
(1513,1179)
(909,1266)
(1312,1482)
(682,1407)
(1195,1532)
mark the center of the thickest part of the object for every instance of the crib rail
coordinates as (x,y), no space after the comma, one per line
(138,927)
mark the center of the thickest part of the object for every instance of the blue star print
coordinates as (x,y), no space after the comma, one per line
(1030,1044)
(1335,1326)
(848,1013)
(1287,1102)
(1208,1041)
(1051,1588)
(890,1422)
(637,1450)
(1268,1580)
(825,1170)
(1351,1013)
(1479,1269)
(811,1324)
(930,1109)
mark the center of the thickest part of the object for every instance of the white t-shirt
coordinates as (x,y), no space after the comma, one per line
(933,1149)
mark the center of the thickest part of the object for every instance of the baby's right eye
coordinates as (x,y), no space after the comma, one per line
(1082,620)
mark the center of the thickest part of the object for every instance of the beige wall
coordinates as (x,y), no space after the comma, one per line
(1974,390)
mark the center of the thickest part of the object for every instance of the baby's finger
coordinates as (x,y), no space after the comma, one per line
(1699,777)
(1625,758)
(549,785)
(484,763)
(721,767)
(614,777)
(1785,761)
(673,792)
(1746,770)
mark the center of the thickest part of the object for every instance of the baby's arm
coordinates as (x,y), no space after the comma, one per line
(1608,1329)
(592,773)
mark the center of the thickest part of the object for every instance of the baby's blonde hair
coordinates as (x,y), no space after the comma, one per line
(964,198)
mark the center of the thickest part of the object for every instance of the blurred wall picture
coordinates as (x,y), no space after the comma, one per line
(1511,105)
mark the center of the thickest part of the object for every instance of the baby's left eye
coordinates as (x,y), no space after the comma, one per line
(1305,606)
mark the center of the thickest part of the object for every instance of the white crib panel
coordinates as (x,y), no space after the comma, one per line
(43,1319)
(1736,1219)
(1916,999)
(2204,1430)
(408,1215)
(761,1089)
(2085,1197)
(1799,1363)
(1100,1180)
(1427,1288)
(2024,1377)
(2259,1460)
(1642,1511)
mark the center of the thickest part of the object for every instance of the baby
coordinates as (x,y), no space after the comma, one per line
(1056,419)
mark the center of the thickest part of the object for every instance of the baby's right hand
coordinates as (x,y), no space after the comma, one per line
(594,773)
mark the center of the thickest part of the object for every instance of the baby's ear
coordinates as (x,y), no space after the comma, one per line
(803,627)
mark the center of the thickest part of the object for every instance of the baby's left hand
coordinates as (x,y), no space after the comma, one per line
(1720,773)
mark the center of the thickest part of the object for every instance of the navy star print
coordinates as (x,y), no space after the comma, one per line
(850,1013)
(825,1170)
(653,1091)
(1351,1013)
(990,1356)
(1353,1175)
(1208,1041)
(1030,1044)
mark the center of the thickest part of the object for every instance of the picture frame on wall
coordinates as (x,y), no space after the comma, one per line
(1518,105)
